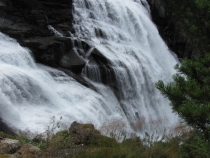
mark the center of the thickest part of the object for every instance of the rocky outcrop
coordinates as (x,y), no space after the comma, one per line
(28,150)
(5,128)
(83,133)
(35,24)
(9,146)
(173,35)
(45,27)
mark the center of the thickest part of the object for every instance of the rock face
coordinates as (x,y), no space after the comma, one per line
(35,23)
(5,128)
(176,40)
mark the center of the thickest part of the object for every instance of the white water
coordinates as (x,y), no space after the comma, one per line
(123,32)
(31,94)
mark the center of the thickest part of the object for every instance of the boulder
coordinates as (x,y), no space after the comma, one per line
(83,133)
(9,146)
(29,151)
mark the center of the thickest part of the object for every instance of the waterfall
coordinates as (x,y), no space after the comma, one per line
(122,31)
(31,94)
(135,57)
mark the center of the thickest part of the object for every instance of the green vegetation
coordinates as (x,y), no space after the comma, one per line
(189,92)
(193,19)
(63,144)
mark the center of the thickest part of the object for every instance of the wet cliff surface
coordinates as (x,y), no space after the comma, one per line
(171,32)
(32,22)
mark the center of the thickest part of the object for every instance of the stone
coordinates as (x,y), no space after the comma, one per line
(83,133)
(9,146)
(72,60)
(29,151)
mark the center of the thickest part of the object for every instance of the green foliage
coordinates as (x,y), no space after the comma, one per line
(188,144)
(4,135)
(23,138)
(61,140)
(196,147)
(47,139)
(189,94)
(193,19)
(134,147)
(202,3)
(39,142)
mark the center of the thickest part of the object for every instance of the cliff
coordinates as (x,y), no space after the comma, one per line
(170,30)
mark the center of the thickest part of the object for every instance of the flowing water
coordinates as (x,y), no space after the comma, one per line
(122,31)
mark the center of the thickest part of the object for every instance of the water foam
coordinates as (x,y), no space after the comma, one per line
(122,31)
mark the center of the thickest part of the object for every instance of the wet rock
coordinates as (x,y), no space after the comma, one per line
(56,51)
(176,40)
(72,60)
(40,19)
(27,21)
(5,128)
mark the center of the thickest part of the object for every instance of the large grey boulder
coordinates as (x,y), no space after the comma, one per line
(83,133)
(28,151)
(9,146)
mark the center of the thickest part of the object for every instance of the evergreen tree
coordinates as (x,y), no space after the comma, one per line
(189,93)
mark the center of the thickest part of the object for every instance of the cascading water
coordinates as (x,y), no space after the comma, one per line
(121,30)
(31,94)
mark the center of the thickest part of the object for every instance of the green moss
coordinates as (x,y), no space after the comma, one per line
(4,135)
(5,156)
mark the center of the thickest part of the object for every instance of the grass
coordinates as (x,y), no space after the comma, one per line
(5,156)
(186,144)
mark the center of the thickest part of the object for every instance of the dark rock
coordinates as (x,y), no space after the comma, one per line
(78,78)
(40,19)
(27,21)
(56,52)
(71,60)
(5,128)
(176,40)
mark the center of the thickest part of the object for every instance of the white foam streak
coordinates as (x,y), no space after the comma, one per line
(56,32)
